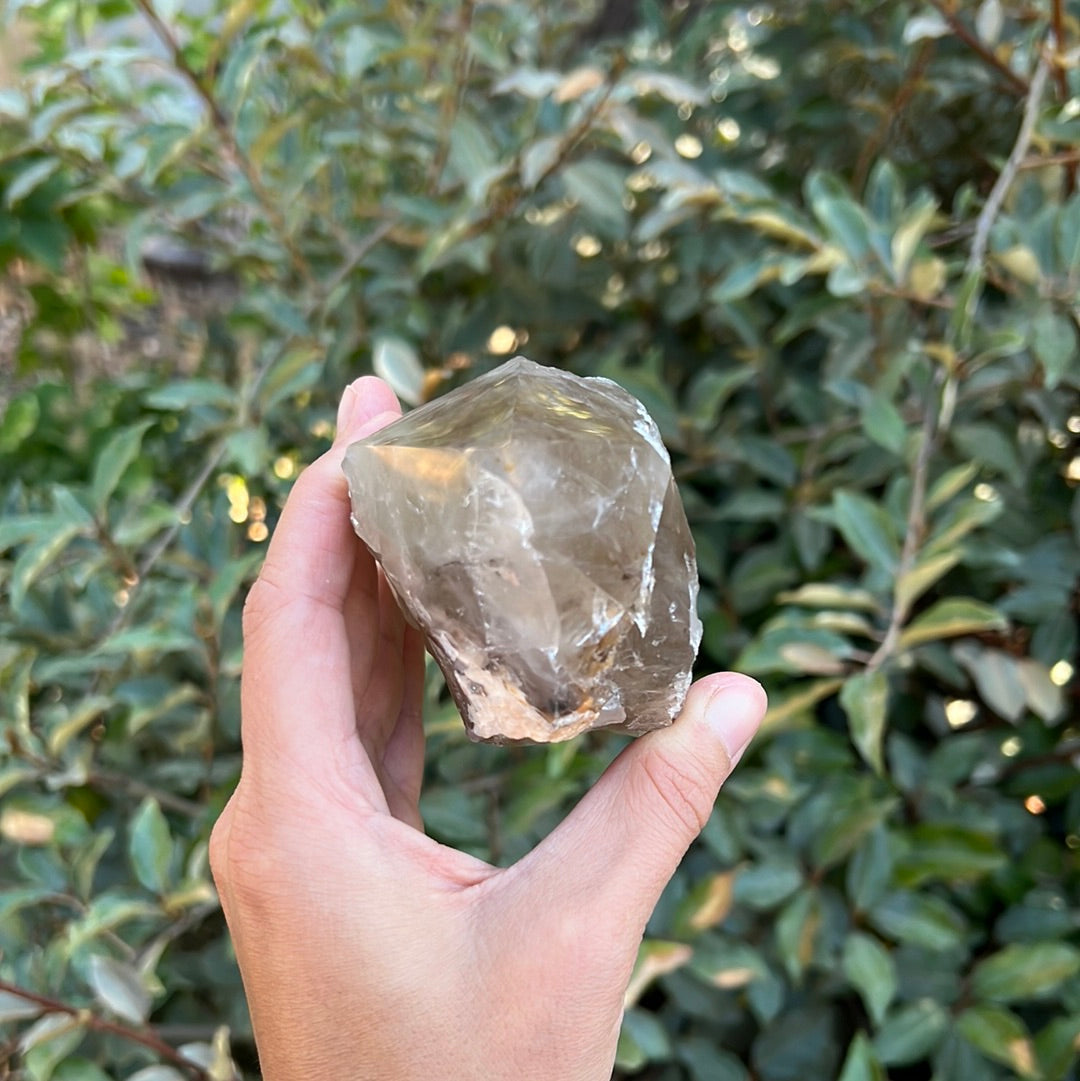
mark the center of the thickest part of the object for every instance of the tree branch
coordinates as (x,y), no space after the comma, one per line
(146,1037)
(1058,23)
(1018,84)
(225,132)
(452,102)
(1007,175)
(916,527)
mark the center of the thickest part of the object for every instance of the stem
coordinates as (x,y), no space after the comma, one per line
(1058,22)
(146,1037)
(901,100)
(1007,175)
(103,778)
(452,102)
(913,534)
(182,509)
(569,144)
(228,138)
(1017,82)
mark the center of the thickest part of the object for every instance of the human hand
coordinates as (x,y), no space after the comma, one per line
(370,952)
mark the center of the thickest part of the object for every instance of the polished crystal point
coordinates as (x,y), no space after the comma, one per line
(529,524)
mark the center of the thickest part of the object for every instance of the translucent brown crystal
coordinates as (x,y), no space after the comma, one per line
(529,524)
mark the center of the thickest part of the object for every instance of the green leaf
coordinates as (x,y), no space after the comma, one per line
(911,1033)
(37,557)
(113,460)
(599,187)
(927,570)
(19,422)
(997,678)
(643,1039)
(119,988)
(952,482)
(867,529)
(909,235)
(950,618)
(919,920)
(1025,970)
(881,421)
(861,1063)
(865,698)
(1001,1036)
(396,361)
(707,1062)
(869,870)
(150,846)
(831,595)
(191,394)
(797,929)
(1056,1046)
(869,968)
(1053,341)
(48,1042)
(948,852)
(988,444)
(28,179)
(767,884)
(15,1008)
(842,218)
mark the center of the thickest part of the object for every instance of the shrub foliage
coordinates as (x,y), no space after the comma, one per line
(833,245)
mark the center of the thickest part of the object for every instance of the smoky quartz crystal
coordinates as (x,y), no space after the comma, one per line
(529,524)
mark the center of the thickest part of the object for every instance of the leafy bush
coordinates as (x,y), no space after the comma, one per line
(833,246)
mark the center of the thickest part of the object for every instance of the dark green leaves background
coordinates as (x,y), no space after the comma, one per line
(787,230)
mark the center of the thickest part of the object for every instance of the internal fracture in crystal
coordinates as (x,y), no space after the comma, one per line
(529,524)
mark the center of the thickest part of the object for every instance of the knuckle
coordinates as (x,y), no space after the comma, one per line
(264,598)
(683,788)
(243,860)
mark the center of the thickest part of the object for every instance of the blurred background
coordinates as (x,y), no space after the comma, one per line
(834,247)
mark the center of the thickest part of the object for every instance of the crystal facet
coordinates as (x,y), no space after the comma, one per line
(529,524)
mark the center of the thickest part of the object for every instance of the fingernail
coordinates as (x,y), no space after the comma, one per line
(734,713)
(348,405)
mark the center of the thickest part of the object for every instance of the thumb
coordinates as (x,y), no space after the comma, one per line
(619,847)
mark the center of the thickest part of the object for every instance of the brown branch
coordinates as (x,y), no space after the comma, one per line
(1005,179)
(1058,23)
(916,527)
(225,132)
(901,99)
(182,510)
(146,1037)
(103,778)
(569,144)
(1018,84)
(1066,157)
(452,101)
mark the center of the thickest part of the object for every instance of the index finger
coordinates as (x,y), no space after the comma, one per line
(298,712)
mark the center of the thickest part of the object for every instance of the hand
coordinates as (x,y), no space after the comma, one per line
(370,952)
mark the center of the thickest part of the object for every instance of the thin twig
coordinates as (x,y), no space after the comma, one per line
(1058,23)
(356,256)
(916,527)
(146,1037)
(104,778)
(901,100)
(182,512)
(1017,82)
(228,138)
(571,141)
(452,102)
(1007,175)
